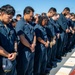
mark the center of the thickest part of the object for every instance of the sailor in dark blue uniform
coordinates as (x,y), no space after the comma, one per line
(42,43)
(71,35)
(27,43)
(50,34)
(56,31)
(63,29)
(8,42)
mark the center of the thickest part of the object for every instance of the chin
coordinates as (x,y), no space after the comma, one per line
(30,20)
(7,23)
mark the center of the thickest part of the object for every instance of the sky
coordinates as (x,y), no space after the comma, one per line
(40,5)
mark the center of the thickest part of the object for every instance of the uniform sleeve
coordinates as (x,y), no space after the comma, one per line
(19,28)
(15,36)
(0,39)
(37,32)
(62,23)
(50,31)
(74,24)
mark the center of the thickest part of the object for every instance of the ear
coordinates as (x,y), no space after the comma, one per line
(2,13)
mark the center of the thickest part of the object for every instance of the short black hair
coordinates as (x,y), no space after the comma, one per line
(28,9)
(18,15)
(0,9)
(40,19)
(14,20)
(43,14)
(72,14)
(8,9)
(67,8)
(52,9)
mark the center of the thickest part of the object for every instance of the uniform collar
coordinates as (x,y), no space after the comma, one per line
(51,20)
(42,26)
(62,14)
(25,21)
(1,24)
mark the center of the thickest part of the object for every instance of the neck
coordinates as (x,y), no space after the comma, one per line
(4,23)
(0,18)
(25,19)
(63,12)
